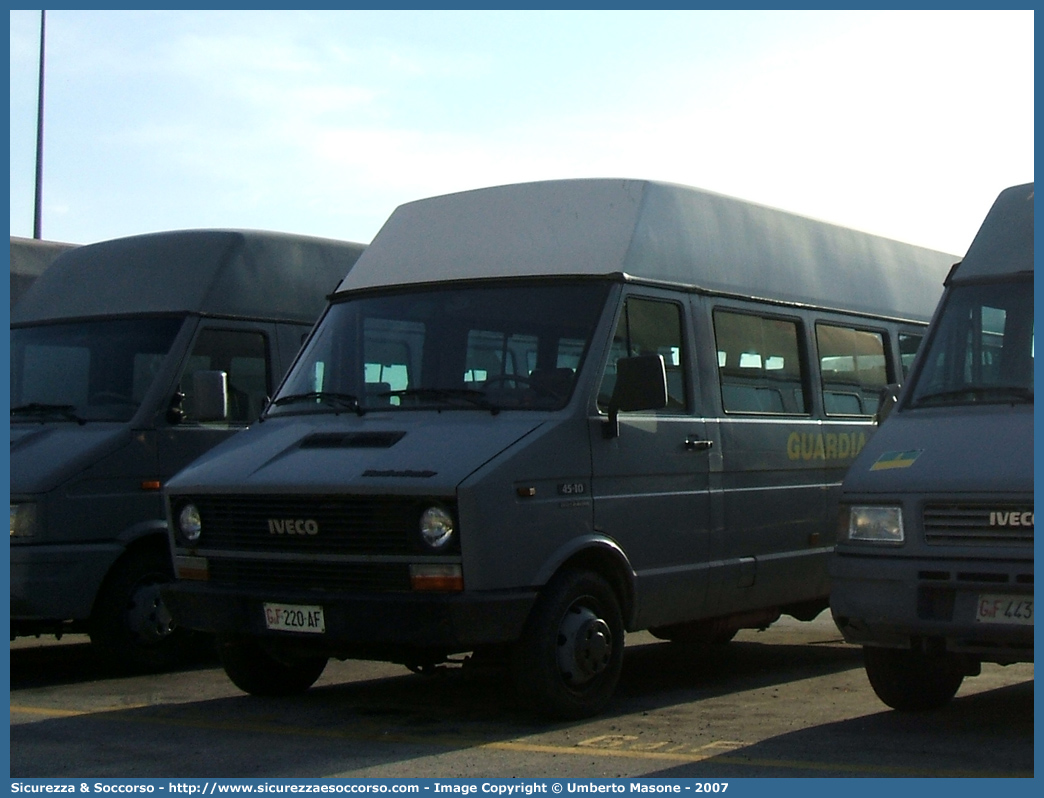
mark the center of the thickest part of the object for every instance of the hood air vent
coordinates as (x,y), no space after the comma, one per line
(352,440)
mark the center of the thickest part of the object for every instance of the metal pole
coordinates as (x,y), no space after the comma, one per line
(37,216)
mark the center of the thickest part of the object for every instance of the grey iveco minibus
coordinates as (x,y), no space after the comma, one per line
(111,350)
(933,572)
(536,416)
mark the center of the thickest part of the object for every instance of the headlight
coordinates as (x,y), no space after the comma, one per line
(23,520)
(190,525)
(436,527)
(875,525)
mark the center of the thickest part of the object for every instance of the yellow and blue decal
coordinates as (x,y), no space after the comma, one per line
(896,460)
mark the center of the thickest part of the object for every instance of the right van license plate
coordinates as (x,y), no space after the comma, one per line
(995,608)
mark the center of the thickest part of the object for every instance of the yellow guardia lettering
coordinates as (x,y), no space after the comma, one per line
(824,446)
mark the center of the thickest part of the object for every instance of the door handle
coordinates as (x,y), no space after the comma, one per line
(694,444)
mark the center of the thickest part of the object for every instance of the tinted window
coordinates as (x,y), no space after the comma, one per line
(759,364)
(983,348)
(100,370)
(649,327)
(853,369)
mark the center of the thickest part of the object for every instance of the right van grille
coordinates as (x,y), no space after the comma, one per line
(978,525)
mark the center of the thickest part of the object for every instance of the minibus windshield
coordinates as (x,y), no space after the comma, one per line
(982,351)
(87,370)
(480,347)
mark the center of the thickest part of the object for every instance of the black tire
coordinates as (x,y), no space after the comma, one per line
(696,634)
(911,680)
(255,670)
(130,627)
(568,660)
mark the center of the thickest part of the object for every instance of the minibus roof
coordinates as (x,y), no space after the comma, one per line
(233,273)
(1004,243)
(650,231)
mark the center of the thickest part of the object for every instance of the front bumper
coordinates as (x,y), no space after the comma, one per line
(931,604)
(373,626)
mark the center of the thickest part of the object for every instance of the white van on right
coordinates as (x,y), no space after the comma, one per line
(933,568)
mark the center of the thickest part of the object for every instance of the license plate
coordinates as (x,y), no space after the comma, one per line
(995,608)
(295,618)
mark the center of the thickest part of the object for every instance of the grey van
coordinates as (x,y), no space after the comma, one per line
(108,348)
(536,416)
(933,571)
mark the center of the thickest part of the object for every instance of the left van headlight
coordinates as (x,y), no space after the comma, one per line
(23,520)
(189,523)
(871,524)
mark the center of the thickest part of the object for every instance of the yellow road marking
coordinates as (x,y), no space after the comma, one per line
(723,752)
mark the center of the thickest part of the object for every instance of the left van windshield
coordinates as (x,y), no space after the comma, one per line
(982,349)
(503,347)
(87,370)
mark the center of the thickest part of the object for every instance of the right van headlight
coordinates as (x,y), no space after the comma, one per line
(436,527)
(873,524)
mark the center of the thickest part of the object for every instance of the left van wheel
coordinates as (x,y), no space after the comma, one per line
(569,658)
(130,626)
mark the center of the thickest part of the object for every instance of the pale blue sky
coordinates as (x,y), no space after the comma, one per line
(906,124)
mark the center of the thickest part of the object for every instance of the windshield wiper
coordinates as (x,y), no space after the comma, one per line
(472,397)
(996,393)
(345,401)
(67,412)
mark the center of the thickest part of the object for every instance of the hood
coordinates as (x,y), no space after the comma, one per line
(405,453)
(43,456)
(978,450)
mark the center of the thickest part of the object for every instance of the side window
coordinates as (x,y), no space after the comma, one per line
(650,327)
(243,356)
(909,343)
(759,364)
(853,367)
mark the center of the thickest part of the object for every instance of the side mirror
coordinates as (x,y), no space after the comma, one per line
(641,384)
(886,402)
(210,395)
(176,408)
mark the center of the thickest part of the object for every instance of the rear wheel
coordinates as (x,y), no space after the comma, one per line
(912,680)
(255,670)
(568,660)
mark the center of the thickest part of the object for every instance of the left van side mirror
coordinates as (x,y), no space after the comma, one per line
(210,395)
(641,384)
(886,402)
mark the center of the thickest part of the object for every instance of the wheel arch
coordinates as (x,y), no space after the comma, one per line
(603,557)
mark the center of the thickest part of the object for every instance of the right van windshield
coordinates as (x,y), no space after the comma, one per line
(982,350)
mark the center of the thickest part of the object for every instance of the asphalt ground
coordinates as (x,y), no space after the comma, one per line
(790,701)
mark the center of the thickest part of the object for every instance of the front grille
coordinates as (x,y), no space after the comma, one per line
(309,576)
(309,524)
(978,525)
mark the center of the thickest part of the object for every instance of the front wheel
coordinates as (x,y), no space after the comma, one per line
(568,660)
(253,668)
(912,680)
(130,626)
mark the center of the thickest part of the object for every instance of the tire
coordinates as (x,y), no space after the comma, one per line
(130,627)
(255,670)
(568,660)
(696,634)
(911,680)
